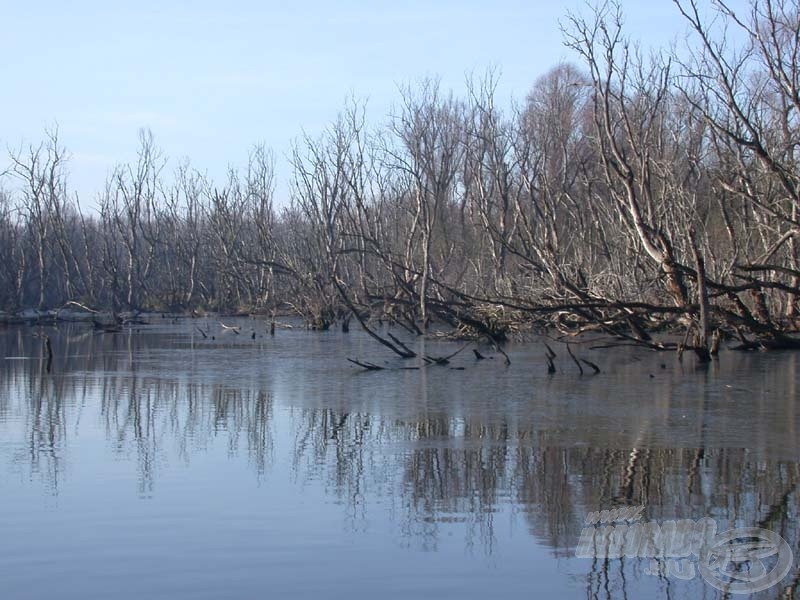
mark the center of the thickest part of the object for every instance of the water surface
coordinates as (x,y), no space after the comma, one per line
(156,463)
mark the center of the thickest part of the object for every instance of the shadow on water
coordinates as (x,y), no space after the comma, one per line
(488,455)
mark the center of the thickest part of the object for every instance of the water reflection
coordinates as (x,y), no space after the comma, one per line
(403,452)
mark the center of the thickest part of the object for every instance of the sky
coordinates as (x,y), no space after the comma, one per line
(212,79)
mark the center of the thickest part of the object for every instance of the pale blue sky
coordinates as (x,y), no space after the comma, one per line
(210,79)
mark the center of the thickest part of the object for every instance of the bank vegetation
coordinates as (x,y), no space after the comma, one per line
(630,193)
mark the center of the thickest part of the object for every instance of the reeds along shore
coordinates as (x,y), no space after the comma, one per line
(628,194)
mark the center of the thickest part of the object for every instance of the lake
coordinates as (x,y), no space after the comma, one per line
(159,463)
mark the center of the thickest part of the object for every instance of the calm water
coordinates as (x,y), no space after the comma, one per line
(159,464)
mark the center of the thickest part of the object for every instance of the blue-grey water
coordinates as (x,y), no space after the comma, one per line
(156,463)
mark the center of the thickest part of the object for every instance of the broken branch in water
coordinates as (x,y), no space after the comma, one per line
(785,343)
(501,351)
(366,365)
(106,327)
(399,343)
(373,367)
(716,337)
(398,347)
(550,355)
(82,307)
(443,360)
(48,347)
(657,347)
(593,366)
(575,360)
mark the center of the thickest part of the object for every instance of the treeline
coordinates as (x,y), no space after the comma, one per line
(629,194)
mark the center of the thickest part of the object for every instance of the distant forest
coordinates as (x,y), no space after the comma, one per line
(628,193)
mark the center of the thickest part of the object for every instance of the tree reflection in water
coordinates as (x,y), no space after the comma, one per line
(426,473)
